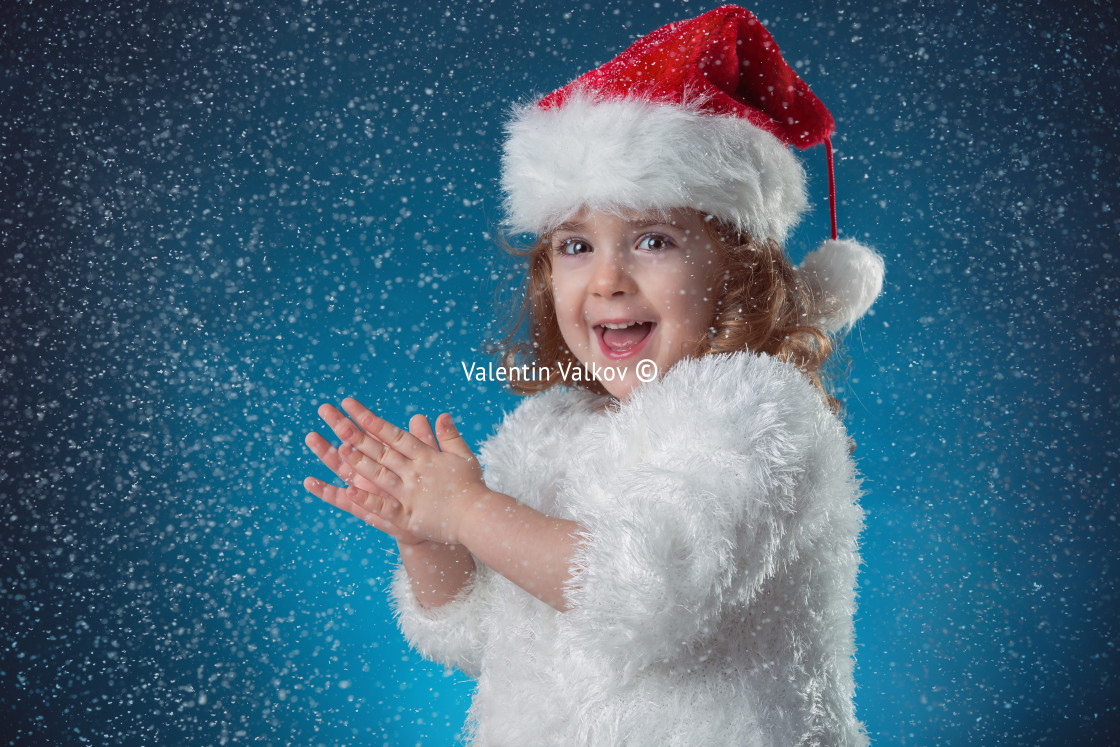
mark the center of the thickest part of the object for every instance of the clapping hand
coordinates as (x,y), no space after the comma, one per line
(413,485)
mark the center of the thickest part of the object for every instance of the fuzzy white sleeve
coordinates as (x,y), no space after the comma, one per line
(453,634)
(689,533)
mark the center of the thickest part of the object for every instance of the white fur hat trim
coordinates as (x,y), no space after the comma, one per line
(616,155)
(845,278)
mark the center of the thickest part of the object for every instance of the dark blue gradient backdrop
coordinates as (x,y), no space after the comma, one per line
(215,217)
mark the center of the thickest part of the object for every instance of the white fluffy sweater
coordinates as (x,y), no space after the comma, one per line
(714,590)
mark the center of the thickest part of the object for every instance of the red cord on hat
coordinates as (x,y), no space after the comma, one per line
(831,186)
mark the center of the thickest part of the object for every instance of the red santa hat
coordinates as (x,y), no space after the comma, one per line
(698,114)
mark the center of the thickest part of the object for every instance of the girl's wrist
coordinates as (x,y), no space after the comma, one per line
(415,542)
(437,572)
(470,507)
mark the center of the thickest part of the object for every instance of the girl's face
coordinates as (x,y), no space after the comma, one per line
(634,288)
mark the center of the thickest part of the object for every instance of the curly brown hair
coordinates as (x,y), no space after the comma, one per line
(765,308)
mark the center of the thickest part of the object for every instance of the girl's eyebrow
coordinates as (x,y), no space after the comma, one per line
(639,224)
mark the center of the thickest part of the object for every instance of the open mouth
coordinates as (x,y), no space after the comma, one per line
(622,339)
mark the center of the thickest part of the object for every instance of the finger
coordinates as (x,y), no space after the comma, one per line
(400,441)
(364,506)
(382,506)
(331,494)
(398,533)
(360,503)
(422,429)
(348,432)
(378,473)
(328,454)
(449,438)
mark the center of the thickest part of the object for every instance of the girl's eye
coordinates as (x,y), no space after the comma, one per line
(654,242)
(573,246)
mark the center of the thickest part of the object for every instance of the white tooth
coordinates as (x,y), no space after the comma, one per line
(619,326)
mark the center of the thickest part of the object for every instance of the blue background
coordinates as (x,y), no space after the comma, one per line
(215,217)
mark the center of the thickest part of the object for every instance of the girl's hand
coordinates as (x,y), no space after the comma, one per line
(400,482)
(360,497)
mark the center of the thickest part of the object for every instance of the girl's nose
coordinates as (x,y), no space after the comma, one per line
(610,274)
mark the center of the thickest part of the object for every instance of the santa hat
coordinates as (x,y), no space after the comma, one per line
(698,114)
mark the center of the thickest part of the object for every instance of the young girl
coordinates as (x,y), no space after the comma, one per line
(659,546)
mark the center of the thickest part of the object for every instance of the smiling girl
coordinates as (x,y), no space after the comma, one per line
(632,287)
(664,556)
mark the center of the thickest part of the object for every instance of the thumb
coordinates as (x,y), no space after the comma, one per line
(449,438)
(422,429)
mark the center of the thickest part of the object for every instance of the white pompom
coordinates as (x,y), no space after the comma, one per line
(845,278)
